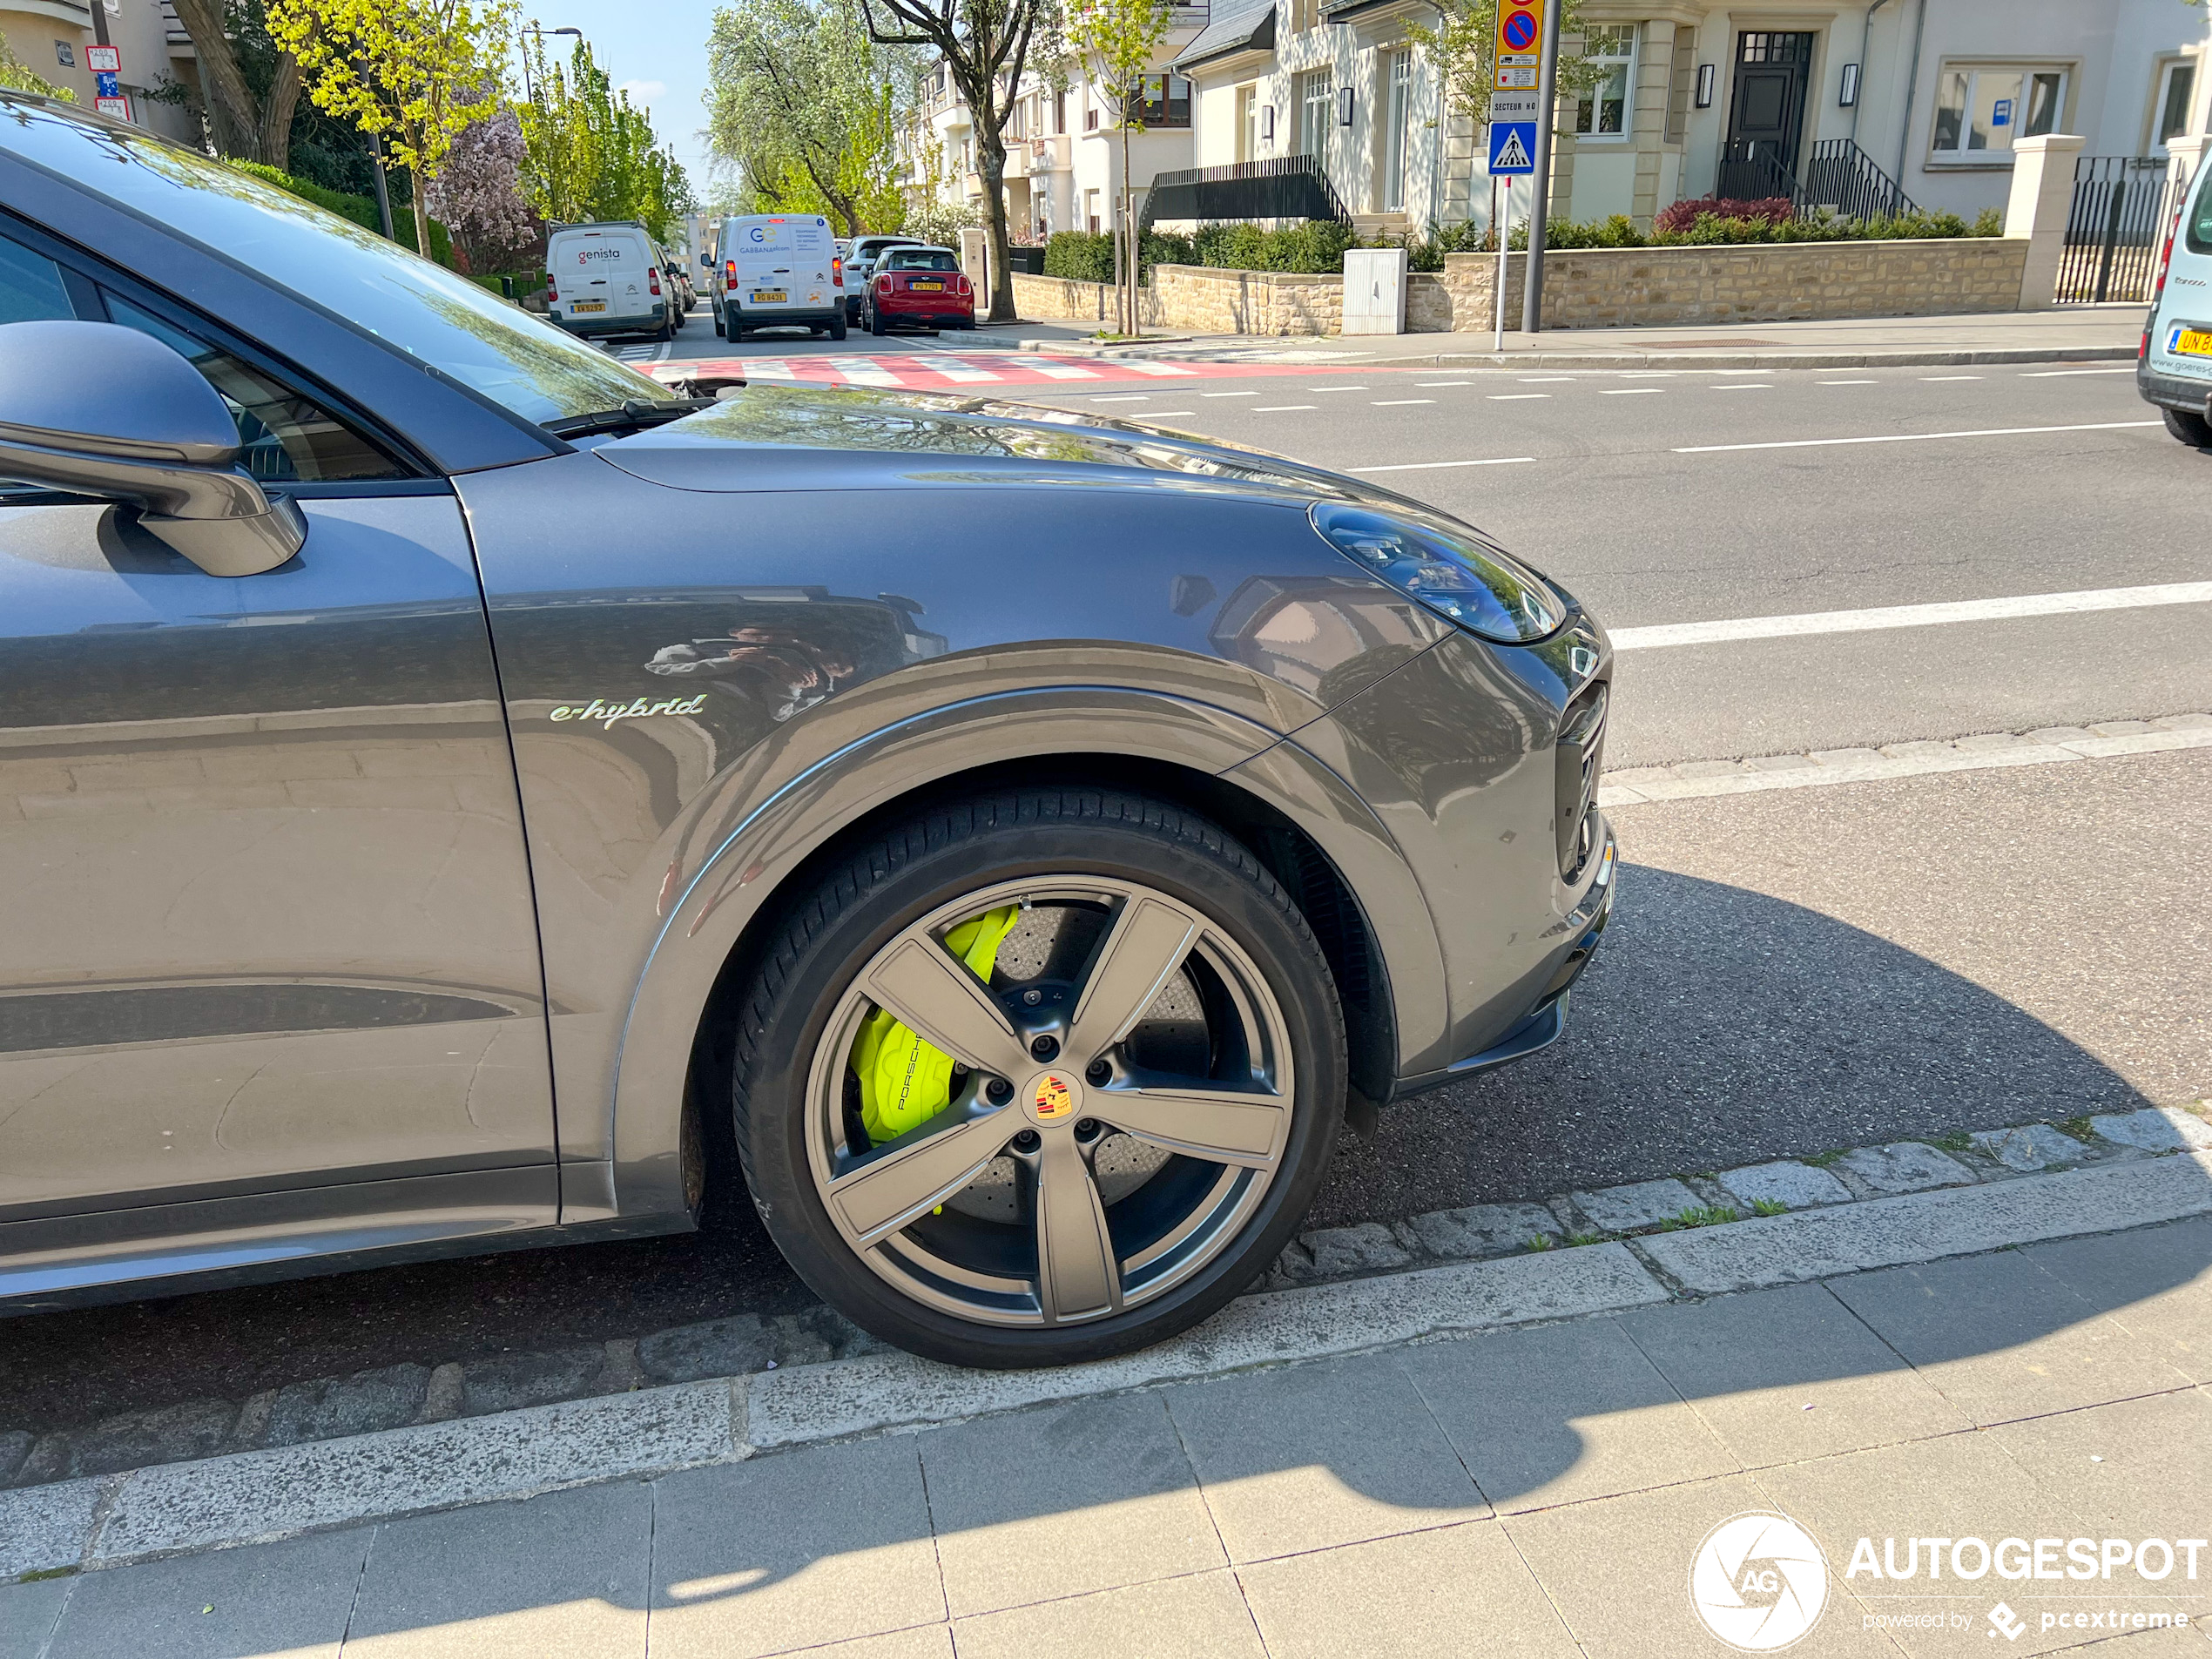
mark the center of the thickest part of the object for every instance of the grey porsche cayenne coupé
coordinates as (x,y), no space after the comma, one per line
(452,788)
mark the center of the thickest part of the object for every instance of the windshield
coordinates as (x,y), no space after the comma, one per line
(900,259)
(430,312)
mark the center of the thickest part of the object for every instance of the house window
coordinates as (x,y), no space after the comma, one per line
(1317,111)
(1601,109)
(1397,114)
(1163,101)
(1980,112)
(2170,110)
(1248,122)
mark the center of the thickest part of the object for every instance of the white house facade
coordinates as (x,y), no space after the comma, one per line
(1921,96)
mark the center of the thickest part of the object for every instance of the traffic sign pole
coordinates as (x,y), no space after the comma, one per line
(1532,286)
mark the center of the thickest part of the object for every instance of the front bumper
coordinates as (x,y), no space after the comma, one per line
(1545,1024)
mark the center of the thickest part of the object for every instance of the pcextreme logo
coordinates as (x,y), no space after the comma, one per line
(1758,1582)
(638,709)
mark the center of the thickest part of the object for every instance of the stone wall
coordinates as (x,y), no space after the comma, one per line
(1584,288)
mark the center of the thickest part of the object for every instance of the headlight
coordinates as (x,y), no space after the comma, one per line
(1484,590)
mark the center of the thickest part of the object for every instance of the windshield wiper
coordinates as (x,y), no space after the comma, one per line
(635,415)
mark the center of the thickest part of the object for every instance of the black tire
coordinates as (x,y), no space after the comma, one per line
(837,328)
(892,880)
(2191,428)
(718,333)
(876,324)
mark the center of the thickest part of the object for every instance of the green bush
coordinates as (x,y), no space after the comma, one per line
(1318,246)
(1080,256)
(360,209)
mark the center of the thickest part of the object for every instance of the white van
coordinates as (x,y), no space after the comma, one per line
(2174,368)
(777,269)
(605,279)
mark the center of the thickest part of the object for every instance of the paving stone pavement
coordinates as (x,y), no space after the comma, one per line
(1538,1491)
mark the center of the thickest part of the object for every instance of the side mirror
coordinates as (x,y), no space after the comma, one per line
(104,410)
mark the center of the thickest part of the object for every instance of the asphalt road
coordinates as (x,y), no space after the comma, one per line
(1788,973)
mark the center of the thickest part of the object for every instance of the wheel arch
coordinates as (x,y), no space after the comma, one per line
(1336,859)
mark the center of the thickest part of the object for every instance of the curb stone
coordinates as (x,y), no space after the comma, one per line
(1657,357)
(258,1496)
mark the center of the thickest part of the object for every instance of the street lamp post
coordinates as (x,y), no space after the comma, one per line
(530,96)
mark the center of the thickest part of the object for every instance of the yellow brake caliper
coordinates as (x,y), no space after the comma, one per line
(904,1080)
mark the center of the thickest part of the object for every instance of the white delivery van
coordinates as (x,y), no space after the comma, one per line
(605,279)
(778,269)
(2174,368)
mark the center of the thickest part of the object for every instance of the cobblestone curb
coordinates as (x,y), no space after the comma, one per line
(2050,745)
(1336,1291)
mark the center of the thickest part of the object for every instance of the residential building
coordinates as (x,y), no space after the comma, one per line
(1063,145)
(1692,97)
(52,35)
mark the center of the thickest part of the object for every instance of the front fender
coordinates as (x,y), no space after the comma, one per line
(753,845)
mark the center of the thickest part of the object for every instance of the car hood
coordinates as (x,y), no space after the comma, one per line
(793,437)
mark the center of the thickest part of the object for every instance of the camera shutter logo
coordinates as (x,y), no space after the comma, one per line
(1758,1582)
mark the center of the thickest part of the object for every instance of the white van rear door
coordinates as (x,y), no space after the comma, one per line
(608,266)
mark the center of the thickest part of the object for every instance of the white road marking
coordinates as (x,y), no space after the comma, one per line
(2048,374)
(1847,383)
(1952,377)
(1336,388)
(1397,402)
(1511,397)
(1053,369)
(1429,383)
(955,369)
(1143,365)
(1745,385)
(864,371)
(1914,437)
(1542,380)
(1983,756)
(1628,391)
(1281,409)
(1929,616)
(1430,466)
(1229,395)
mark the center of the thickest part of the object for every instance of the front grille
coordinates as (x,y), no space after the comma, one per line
(1577,761)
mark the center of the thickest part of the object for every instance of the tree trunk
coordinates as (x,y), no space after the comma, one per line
(415,193)
(243,124)
(275,136)
(990,155)
(1136,238)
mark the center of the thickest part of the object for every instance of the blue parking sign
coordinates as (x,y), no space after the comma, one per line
(1513,148)
(107,85)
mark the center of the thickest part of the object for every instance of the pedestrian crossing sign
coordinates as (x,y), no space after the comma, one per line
(1513,148)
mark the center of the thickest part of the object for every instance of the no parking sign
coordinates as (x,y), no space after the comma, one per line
(1519,44)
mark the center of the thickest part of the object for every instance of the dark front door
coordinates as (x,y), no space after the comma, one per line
(1766,111)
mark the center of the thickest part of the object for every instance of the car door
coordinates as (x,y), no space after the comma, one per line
(265,924)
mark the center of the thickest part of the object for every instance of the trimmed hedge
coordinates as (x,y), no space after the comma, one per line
(360,209)
(1317,246)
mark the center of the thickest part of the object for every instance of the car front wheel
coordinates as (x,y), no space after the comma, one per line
(1039,1077)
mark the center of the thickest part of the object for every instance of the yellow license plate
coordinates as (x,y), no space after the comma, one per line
(769,296)
(2192,342)
(588,305)
(926,288)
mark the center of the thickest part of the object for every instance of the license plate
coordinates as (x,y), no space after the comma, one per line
(587,304)
(769,296)
(926,288)
(2191,342)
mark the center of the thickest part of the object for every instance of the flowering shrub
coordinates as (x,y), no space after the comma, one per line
(479,191)
(1675,220)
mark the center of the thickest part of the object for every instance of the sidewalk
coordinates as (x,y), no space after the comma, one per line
(1535,1490)
(2070,333)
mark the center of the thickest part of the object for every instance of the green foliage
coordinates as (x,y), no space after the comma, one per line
(2081,1129)
(802,104)
(1541,1242)
(19,75)
(1768,1207)
(1315,246)
(360,209)
(591,153)
(1699,1215)
(1463,41)
(1957,1141)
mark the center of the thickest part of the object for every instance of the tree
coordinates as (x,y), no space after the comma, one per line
(987,46)
(249,83)
(1119,37)
(19,75)
(480,193)
(414,72)
(802,100)
(590,153)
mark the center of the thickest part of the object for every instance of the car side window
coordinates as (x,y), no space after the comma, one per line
(284,437)
(30,287)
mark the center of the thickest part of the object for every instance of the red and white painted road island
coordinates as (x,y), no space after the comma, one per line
(942,372)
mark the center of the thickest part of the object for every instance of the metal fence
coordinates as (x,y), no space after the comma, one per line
(1280,188)
(2122,205)
(1840,175)
(1751,170)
